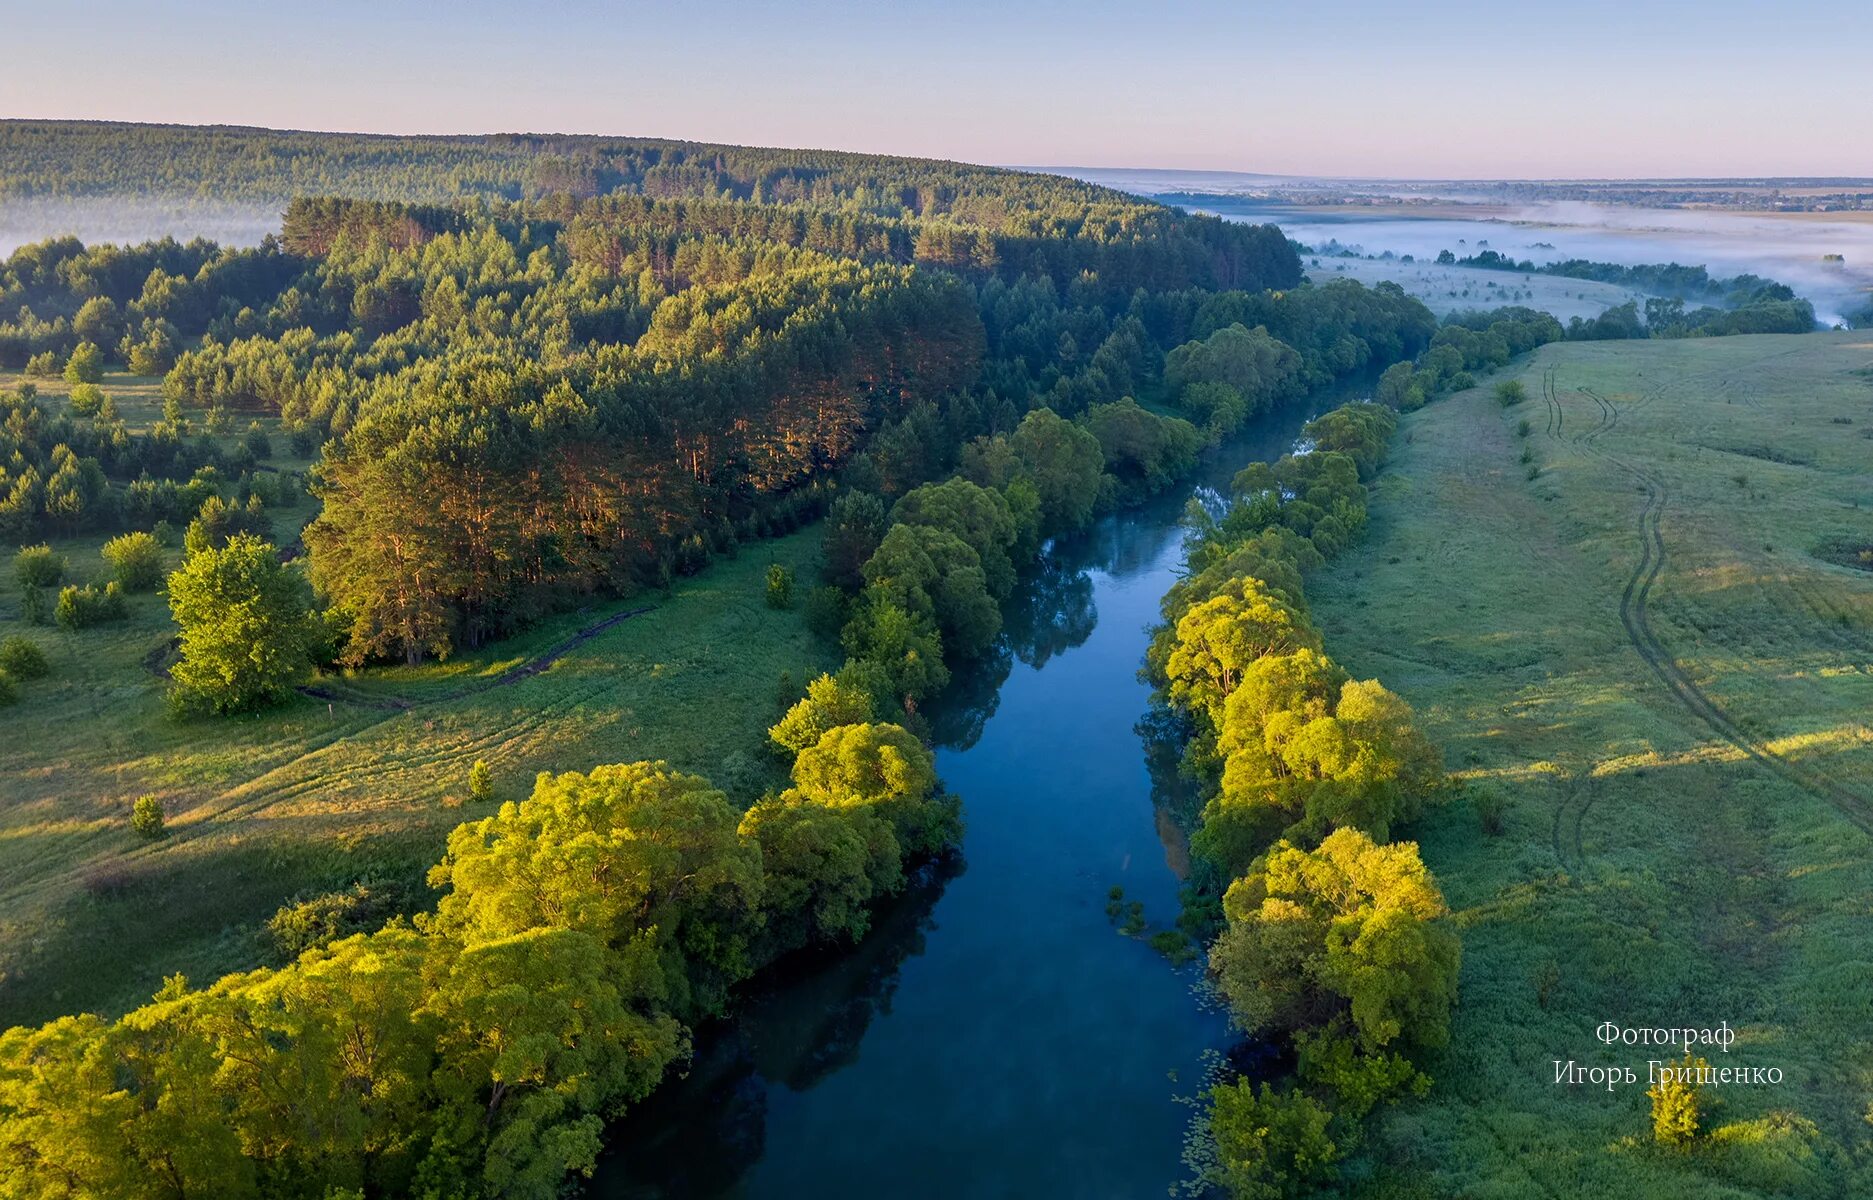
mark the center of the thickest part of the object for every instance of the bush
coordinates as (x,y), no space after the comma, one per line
(779,586)
(304,925)
(826,611)
(9,694)
(38,567)
(83,607)
(304,441)
(22,658)
(1490,809)
(43,365)
(137,560)
(480,782)
(1510,393)
(86,399)
(86,365)
(1269,1144)
(257,442)
(1675,1102)
(146,817)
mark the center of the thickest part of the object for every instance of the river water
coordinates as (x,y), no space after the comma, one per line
(994,1035)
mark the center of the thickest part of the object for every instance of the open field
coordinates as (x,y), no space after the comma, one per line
(1655,651)
(320,793)
(1455,289)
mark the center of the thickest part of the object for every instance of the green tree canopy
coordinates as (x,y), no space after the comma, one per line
(828,703)
(247,634)
(641,857)
(1351,936)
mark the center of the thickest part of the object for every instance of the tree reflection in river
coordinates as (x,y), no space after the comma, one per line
(699,1134)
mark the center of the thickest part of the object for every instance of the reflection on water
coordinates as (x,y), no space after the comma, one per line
(993,1035)
(698,1135)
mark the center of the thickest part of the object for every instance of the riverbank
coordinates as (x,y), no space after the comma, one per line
(1048,1052)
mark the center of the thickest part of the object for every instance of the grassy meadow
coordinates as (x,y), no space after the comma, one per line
(1445,290)
(321,793)
(1633,611)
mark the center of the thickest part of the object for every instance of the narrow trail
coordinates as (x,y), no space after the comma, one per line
(1570,813)
(1634,616)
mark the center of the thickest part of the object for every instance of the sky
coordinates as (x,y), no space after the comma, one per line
(1405,88)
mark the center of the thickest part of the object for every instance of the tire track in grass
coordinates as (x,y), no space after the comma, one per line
(1553,402)
(1634,612)
(1634,616)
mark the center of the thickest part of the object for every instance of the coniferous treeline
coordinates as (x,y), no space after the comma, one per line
(637,384)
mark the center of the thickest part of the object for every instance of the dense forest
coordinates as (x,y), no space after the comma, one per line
(535,400)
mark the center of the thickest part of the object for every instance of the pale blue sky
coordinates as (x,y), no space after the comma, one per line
(1350,87)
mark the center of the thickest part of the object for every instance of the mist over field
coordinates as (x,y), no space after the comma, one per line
(1789,248)
(99,219)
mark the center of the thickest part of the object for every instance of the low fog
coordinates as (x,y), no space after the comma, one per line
(107,219)
(1787,248)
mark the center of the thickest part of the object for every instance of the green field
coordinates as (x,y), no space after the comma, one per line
(321,793)
(1656,652)
(1448,289)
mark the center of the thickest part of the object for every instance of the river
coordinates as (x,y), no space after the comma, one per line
(994,1035)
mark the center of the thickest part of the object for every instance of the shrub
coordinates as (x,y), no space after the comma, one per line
(826,611)
(86,365)
(303,925)
(83,607)
(39,567)
(480,782)
(9,694)
(1510,393)
(1269,1144)
(137,560)
(257,442)
(829,703)
(1675,1102)
(86,399)
(44,365)
(1490,808)
(304,441)
(146,817)
(22,658)
(779,586)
